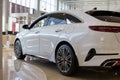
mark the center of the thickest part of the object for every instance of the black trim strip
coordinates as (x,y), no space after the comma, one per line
(105,54)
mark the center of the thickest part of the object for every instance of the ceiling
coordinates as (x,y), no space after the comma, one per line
(90,4)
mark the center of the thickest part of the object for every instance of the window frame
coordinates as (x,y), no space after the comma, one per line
(66,14)
(48,16)
(31,26)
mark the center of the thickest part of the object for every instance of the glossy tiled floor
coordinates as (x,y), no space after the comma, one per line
(37,69)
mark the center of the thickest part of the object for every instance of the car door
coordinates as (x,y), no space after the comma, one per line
(32,41)
(50,34)
(32,38)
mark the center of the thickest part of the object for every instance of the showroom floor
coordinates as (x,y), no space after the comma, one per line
(38,69)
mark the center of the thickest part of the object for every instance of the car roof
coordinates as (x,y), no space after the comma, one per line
(83,16)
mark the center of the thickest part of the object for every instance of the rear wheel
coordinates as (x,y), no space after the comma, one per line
(65,59)
(18,50)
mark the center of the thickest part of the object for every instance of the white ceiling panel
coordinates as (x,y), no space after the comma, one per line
(89,4)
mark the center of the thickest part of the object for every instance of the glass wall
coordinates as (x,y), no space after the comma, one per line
(22,6)
(63,5)
(20,12)
(45,5)
(86,5)
(27,3)
(48,5)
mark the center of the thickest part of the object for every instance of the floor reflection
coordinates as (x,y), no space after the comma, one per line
(82,74)
(25,71)
(37,69)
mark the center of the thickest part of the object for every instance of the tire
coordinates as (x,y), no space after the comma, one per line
(65,60)
(18,50)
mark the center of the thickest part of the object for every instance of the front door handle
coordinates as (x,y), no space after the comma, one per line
(37,32)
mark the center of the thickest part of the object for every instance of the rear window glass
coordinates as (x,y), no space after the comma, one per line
(108,16)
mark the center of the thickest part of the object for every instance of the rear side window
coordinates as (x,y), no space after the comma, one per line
(56,19)
(108,16)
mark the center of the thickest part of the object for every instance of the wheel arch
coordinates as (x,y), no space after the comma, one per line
(65,42)
(17,39)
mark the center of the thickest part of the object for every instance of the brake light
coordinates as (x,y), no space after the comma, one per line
(114,29)
(118,63)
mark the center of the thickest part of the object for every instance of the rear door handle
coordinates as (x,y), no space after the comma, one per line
(58,30)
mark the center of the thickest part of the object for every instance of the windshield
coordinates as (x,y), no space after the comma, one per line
(108,16)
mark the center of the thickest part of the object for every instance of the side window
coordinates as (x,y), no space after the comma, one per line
(40,23)
(56,19)
(71,19)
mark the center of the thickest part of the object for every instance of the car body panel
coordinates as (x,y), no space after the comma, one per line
(78,35)
(49,37)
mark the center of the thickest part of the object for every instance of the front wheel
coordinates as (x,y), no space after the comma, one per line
(65,60)
(18,50)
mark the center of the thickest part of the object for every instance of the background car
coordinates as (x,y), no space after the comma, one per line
(72,39)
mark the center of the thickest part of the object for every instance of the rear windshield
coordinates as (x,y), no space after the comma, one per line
(108,16)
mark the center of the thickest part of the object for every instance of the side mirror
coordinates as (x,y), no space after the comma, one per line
(25,27)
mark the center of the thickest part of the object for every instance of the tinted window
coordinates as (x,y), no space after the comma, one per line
(55,19)
(71,19)
(108,16)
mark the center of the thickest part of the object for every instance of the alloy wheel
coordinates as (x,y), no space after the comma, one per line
(18,50)
(65,59)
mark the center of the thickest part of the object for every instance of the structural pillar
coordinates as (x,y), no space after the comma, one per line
(6,16)
(1,18)
(58,4)
(38,8)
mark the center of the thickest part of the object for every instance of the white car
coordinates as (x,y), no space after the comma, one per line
(73,38)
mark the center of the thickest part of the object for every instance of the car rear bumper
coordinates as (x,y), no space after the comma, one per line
(111,63)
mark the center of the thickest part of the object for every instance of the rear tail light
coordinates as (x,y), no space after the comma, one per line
(114,29)
(118,63)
